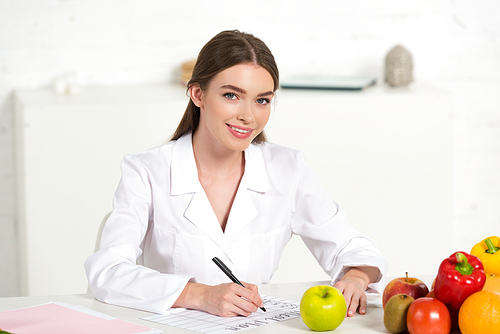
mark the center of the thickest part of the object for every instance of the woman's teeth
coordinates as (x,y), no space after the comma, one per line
(239,130)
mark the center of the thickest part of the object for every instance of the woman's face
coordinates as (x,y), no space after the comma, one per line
(235,107)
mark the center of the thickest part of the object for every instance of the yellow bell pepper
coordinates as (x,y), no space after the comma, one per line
(488,251)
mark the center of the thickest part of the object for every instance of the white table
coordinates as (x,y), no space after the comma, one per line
(371,322)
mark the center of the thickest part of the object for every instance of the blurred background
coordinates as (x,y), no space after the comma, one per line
(454,44)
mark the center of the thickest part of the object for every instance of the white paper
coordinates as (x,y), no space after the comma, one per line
(278,309)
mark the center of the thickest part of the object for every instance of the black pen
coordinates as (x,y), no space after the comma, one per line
(229,274)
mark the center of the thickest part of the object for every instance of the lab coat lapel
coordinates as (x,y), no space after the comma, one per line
(242,212)
(200,213)
(184,182)
(255,180)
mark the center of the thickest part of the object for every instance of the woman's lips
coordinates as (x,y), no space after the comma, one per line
(240,132)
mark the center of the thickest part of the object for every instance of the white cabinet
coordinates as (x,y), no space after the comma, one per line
(385,156)
(69,150)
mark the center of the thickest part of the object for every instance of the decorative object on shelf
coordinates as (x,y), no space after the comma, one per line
(187,71)
(398,67)
(327,82)
(66,84)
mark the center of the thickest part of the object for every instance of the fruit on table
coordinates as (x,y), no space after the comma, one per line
(395,313)
(492,283)
(430,294)
(453,316)
(459,276)
(428,316)
(488,251)
(480,313)
(410,286)
(323,308)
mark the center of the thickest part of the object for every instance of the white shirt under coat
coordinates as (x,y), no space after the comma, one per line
(163,232)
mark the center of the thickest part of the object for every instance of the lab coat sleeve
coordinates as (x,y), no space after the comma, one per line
(112,272)
(324,228)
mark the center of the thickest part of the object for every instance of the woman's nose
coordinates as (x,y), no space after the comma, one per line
(245,113)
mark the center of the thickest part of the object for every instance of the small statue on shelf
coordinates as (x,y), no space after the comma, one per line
(398,67)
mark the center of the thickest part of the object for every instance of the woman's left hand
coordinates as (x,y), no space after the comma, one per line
(354,296)
(353,286)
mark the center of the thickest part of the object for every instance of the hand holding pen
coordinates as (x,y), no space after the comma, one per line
(229,274)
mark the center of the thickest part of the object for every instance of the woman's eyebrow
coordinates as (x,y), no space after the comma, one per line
(266,94)
(238,89)
(242,91)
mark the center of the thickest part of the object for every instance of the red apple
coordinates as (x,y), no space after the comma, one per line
(410,286)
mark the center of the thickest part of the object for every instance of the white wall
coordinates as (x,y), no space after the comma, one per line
(455,45)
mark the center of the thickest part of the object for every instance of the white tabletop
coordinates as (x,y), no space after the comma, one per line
(371,322)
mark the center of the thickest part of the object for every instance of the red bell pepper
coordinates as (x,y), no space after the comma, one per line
(458,277)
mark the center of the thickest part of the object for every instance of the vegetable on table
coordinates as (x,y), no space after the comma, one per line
(459,276)
(488,251)
(428,316)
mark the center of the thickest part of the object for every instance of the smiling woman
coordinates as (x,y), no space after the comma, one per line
(232,114)
(234,108)
(225,50)
(219,189)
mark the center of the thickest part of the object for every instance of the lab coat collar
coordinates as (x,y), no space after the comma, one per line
(183,172)
(256,178)
(184,175)
(184,180)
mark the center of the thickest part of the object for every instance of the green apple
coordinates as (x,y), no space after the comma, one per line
(323,308)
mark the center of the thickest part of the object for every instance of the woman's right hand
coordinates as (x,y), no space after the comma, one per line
(225,300)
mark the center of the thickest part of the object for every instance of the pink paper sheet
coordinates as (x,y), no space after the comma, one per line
(56,319)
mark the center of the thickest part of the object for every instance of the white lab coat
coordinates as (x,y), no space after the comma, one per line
(163,232)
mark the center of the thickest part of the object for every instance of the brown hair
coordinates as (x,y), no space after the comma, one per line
(224,50)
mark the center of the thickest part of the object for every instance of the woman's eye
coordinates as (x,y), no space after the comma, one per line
(263,101)
(230,96)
